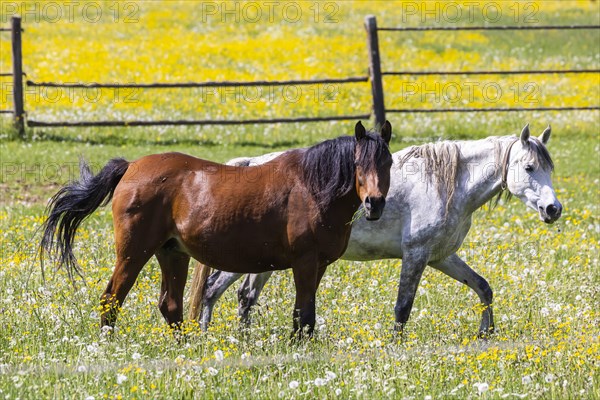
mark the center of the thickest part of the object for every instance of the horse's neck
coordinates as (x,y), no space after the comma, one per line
(481,173)
(343,208)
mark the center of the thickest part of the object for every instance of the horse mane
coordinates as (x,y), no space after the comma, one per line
(541,156)
(328,168)
(441,161)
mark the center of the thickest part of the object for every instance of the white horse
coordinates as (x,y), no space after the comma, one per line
(435,188)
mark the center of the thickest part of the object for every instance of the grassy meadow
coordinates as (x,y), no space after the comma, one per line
(546,278)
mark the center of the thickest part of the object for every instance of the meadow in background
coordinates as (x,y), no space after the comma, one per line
(545,277)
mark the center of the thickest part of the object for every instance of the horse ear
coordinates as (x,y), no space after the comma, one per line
(545,136)
(386,131)
(525,136)
(359,131)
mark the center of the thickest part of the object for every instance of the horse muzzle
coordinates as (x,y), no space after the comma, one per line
(373,207)
(550,213)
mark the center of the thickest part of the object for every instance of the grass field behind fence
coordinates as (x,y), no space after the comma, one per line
(545,277)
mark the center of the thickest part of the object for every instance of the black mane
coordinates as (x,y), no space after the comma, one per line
(329,167)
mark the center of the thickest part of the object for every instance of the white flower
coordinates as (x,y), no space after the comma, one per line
(82,368)
(545,312)
(377,326)
(213,371)
(219,356)
(330,375)
(92,348)
(456,389)
(232,340)
(105,330)
(428,397)
(90,398)
(549,378)
(121,378)
(349,340)
(136,356)
(338,391)
(482,387)
(526,380)
(320,382)
(294,384)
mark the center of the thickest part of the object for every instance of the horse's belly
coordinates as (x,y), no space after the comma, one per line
(244,249)
(373,243)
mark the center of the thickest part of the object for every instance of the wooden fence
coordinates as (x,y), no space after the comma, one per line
(375,77)
(379,107)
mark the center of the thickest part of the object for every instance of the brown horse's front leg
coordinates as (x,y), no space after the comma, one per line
(305,279)
(174,267)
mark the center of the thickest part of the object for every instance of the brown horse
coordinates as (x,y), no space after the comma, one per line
(293,212)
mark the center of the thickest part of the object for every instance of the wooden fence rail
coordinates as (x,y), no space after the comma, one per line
(354,79)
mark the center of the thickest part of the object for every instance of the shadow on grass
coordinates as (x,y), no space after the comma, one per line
(114,140)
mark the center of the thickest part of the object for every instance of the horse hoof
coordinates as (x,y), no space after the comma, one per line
(486,333)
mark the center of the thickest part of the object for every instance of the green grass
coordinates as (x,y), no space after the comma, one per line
(545,278)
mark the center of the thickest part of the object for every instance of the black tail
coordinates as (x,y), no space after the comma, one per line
(73,203)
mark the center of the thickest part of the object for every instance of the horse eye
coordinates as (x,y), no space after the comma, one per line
(529,168)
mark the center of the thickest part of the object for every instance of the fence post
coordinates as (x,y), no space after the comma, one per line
(17,61)
(375,71)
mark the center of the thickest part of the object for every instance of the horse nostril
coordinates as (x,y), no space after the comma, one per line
(551,210)
(368,203)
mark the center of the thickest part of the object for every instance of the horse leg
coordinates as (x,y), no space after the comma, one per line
(305,280)
(174,266)
(320,274)
(413,265)
(456,268)
(216,285)
(248,294)
(136,239)
(126,272)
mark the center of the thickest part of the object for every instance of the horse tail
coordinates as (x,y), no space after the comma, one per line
(201,273)
(75,202)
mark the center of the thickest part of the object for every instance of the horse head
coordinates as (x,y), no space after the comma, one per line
(373,161)
(528,176)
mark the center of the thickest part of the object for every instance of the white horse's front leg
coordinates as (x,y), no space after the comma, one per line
(248,294)
(456,268)
(413,265)
(216,285)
